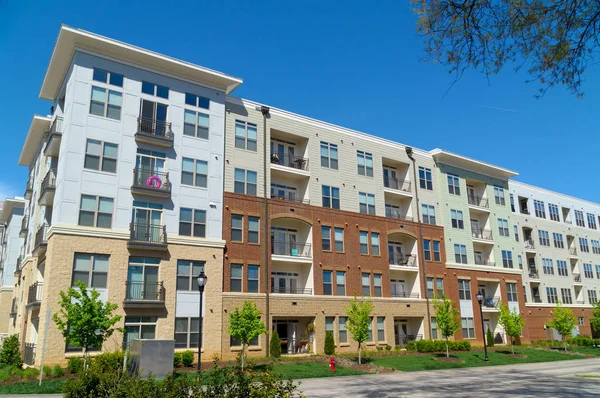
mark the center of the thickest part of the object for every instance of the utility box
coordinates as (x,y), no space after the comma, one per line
(152,356)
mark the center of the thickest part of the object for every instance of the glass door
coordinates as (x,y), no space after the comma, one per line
(142,282)
(154,117)
(395,253)
(475,226)
(390,178)
(147,164)
(147,222)
(398,288)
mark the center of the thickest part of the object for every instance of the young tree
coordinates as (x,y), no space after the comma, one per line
(275,346)
(563,321)
(489,336)
(359,320)
(84,319)
(595,320)
(512,322)
(447,318)
(329,348)
(245,325)
(10,354)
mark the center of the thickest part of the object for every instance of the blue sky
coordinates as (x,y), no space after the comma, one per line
(351,65)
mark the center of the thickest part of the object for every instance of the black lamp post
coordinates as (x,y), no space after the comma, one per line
(201,279)
(479,297)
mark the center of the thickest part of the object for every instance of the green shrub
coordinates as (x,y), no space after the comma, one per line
(10,354)
(581,341)
(388,347)
(411,346)
(176,359)
(187,358)
(108,361)
(379,348)
(47,371)
(329,343)
(489,337)
(75,365)
(57,371)
(29,373)
(440,345)
(275,346)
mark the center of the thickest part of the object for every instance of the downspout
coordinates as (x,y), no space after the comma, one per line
(266,241)
(409,152)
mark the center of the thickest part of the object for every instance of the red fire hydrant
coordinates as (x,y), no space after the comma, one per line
(332,364)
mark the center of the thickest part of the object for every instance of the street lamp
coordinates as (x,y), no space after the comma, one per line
(201,279)
(479,297)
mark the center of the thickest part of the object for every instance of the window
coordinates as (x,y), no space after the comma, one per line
(106,103)
(329,321)
(108,77)
(499,195)
(187,271)
(453,184)
(375,243)
(587,271)
(195,124)
(253,278)
(579,218)
(553,210)
(511,292)
(244,182)
(516,230)
(544,237)
(343,333)
(331,197)
(101,156)
(558,240)
(95,211)
(580,320)
(428,214)
(425,181)
(598,271)
(380,328)
(139,328)
(460,254)
(566,296)
(237,228)
(552,295)
(364,242)
(457,219)
(194,172)
(91,269)
(427,249)
(235,282)
(464,289)
(583,245)
(430,288)
(338,234)
(591,221)
(366,284)
(366,203)
(187,332)
(340,283)
(561,266)
(503,227)
(253,229)
(512,203)
(328,283)
(520,260)
(595,247)
(192,222)
(547,266)
(377,292)
(539,209)
(245,135)
(365,163)
(370,330)
(196,100)
(507,261)
(237,343)
(436,251)
(439,285)
(468,328)
(434,331)
(326,238)
(155,89)
(329,155)
(592,298)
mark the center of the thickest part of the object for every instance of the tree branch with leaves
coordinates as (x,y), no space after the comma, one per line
(245,325)
(563,321)
(447,318)
(359,321)
(512,322)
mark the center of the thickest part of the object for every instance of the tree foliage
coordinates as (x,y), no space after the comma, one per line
(329,348)
(359,321)
(563,321)
(275,346)
(10,354)
(489,336)
(447,318)
(554,40)
(82,315)
(245,325)
(595,320)
(512,322)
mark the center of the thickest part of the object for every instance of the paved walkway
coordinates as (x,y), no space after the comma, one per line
(548,379)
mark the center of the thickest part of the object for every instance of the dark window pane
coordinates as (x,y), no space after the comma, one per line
(203,132)
(116,79)
(189,129)
(147,88)
(104,220)
(86,218)
(162,92)
(100,75)
(97,108)
(109,165)
(80,276)
(91,162)
(190,99)
(99,280)
(185,228)
(236,285)
(114,112)
(187,178)
(181,340)
(201,180)
(203,102)
(183,283)
(253,286)
(251,189)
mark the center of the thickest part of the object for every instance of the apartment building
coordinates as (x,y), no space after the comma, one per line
(558,238)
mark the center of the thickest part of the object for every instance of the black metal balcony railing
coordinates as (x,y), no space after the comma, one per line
(289,290)
(524,210)
(485,262)
(155,128)
(404,295)
(577,278)
(29,188)
(148,233)
(491,302)
(573,251)
(19,261)
(485,234)
(29,354)
(407,260)
(478,201)
(289,248)
(537,299)
(290,197)
(24,226)
(49,181)
(152,180)
(533,274)
(151,291)
(393,213)
(13,308)
(285,159)
(35,293)
(41,236)
(395,183)
(529,244)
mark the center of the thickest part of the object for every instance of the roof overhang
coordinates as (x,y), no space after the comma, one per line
(463,162)
(8,206)
(38,126)
(70,39)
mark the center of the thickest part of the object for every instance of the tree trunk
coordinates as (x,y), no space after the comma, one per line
(565,341)
(512,345)
(447,350)
(359,359)
(85,358)
(243,352)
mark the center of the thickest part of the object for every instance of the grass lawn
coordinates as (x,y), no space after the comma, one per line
(586,350)
(304,370)
(31,387)
(409,363)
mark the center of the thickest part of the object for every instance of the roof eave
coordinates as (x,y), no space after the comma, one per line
(38,125)
(460,161)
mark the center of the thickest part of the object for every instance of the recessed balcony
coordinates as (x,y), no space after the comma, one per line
(154,132)
(482,236)
(141,294)
(397,186)
(147,237)
(407,261)
(29,188)
(24,226)
(41,241)
(291,290)
(397,213)
(54,137)
(490,304)
(572,252)
(489,263)
(151,183)
(529,245)
(289,164)
(289,196)
(34,298)
(577,280)
(478,203)
(534,274)
(286,249)
(48,188)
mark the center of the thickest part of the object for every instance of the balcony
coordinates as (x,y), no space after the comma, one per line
(41,241)
(48,188)
(144,295)
(290,290)
(482,234)
(529,244)
(29,188)
(573,252)
(536,299)
(29,354)
(484,262)
(289,197)
(147,237)
(404,295)
(287,160)
(34,298)
(151,183)
(54,137)
(490,303)
(577,280)
(154,132)
(24,227)
(13,309)
(397,214)
(478,201)
(290,248)
(396,185)
(404,260)
(533,274)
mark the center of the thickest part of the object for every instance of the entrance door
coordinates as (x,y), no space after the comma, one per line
(147,221)
(398,288)
(401,331)
(153,117)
